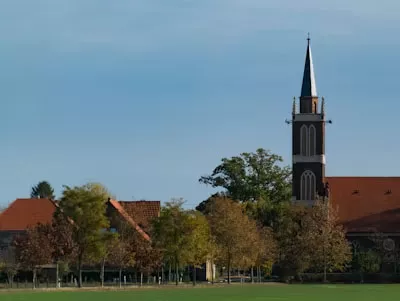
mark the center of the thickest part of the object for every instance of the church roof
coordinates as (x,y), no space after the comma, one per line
(308,87)
(366,204)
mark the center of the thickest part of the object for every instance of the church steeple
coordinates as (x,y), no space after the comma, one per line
(308,97)
(308,87)
(308,140)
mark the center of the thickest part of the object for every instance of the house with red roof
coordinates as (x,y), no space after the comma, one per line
(365,205)
(25,213)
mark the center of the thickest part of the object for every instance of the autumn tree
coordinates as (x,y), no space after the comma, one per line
(43,190)
(173,234)
(233,230)
(119,248)
(198,242)
(257,179)
(122,254)
(148,255)
(294,255)
(104,251)
(86,207)
(9,264)
(34,249)
(330,250)
(213,254)
(202,207)
(267,250)
(62,240)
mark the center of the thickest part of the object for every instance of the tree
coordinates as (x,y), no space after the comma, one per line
(104,251)
(34,249)
(233,231)
(86,207)
(330,250)
(198,241)
(148,256)
(202,207)
(172,234)
(256,179)
(294,255)
(43,190)
(267,250)
(62,240)
(366,261)
(122,255)
(9,264)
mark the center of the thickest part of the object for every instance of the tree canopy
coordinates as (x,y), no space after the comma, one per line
(86,207)
(43,190)
(256,179)
(181,235)
(235,233)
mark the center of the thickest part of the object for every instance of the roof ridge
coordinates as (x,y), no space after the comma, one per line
(364,177)
(140,201)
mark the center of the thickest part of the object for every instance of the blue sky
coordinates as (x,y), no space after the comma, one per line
(147,96)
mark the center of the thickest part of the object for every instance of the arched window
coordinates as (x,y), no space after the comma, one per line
(307,186)
(312,141)
(304,140)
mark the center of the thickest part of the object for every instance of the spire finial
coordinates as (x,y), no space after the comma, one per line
(308,38)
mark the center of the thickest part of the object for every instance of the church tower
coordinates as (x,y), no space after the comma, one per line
(308,139)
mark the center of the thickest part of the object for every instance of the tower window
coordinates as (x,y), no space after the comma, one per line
(304,140)
(307,186)
(312,140)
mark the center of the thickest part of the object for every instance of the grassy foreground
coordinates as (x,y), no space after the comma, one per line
(226,293)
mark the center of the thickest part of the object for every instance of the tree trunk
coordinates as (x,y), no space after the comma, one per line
(34,278)
(80,271)
(141,278)
(212,272)
(229,271)
(259,274)
(170,274)
(324,263)
(252,275)
(176,274)
(120,278)
(103,263)
(194,275)
(10,277)
(57,275)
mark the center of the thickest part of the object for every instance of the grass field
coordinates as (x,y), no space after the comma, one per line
(226,293)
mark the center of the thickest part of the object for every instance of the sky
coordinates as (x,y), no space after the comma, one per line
(146,96)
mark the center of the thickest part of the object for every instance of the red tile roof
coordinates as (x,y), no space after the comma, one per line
(366,204)
(25,213)
(142,211)
(128,218)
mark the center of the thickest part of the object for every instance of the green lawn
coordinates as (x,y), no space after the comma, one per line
(226,293)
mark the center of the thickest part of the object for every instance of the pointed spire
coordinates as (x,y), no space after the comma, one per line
(308,87)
